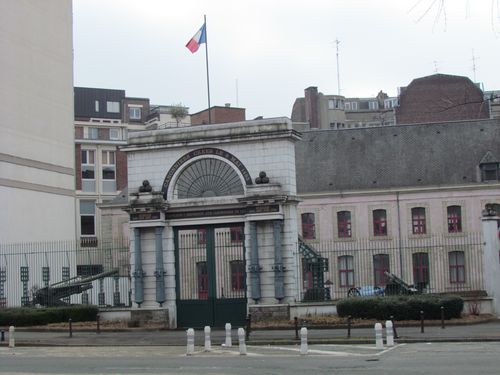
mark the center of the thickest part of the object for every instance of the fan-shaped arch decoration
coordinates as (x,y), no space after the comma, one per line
(208,177)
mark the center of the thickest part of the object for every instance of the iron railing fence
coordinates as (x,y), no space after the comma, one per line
(65,272)
(431,264)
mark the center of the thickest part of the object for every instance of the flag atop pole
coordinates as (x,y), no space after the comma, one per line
(193,45)
(198,38)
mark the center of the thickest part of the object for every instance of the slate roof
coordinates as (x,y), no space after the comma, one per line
(396,156)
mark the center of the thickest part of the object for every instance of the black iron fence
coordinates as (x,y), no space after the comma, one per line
(64,272)
(427,264)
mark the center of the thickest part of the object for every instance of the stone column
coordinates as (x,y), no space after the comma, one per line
(279,286)
(159,271)
(254,268)
(491,263)
(138,272)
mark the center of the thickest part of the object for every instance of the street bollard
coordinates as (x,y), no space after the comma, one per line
(241,341)
(208,345)
(296,325)
(303,341)
(70,328)
(190,342)
(2,336)
(379,341)
(98,321)
(389,333)
(442,317)
(394,327)
(228,342)
(421,321)
(349,322)
(12,340)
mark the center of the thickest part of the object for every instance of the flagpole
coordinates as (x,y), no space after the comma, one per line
(208,78)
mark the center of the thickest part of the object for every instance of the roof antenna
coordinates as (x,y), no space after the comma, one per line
(337,42)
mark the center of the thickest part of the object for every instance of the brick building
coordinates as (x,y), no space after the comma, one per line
(219,115)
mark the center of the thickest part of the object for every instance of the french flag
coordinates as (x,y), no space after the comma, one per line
(198,38)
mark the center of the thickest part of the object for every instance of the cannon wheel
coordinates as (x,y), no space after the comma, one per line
(353,292)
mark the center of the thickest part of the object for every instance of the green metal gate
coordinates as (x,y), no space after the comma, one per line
(211,275)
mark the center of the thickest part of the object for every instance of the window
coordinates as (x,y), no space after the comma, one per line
(202,276)
(87,218)
(373,105)
(88,170)
(418,220)
(237,275)
(344,224)
(134,113)
(308,226)
(489,172)
(346,271)
(202,236)
(347,106)
(420,270)
(454,214)
(113,107)
(236,234)
(114,134)
(90,133)
(379,223)
(331,104)
(108,171)
(457,266)
(354,106)
(380,265)
(87,270)
(96,103)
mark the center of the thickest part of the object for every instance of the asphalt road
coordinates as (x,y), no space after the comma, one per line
(421,358)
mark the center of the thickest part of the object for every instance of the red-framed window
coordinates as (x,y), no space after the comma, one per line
(380,222)
(236,234)
(202,276)
(202,236)
(454,214)
(308,226)
(420,268)
(418,223)
(237,275)
(344,226)
(380,265)
(346,270)
(457,267)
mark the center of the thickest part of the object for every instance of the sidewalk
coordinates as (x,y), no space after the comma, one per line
(137,337)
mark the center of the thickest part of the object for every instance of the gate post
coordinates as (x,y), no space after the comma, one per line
(254,268)
(159,272)
(279,287)
(491,265)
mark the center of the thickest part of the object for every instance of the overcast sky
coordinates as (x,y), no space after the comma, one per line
(264,53)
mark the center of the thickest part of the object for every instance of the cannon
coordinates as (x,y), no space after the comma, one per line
(53,294)
(398,286)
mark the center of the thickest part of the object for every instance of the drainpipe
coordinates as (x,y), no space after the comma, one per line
(159,272)
(254,268)
(279,286)
(400,239)
(138,273)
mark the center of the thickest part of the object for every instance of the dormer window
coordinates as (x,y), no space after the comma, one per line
(489,171)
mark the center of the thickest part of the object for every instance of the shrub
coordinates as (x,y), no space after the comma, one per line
(29,316)
(401,307)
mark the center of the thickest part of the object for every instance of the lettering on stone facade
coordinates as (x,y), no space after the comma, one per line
(139,216)
(223,212)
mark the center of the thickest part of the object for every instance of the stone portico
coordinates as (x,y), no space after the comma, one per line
(209,180)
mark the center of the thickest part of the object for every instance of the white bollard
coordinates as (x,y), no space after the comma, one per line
(241,340)
(12,340)
(190,342)
(379,341)
(228,342)
(389,333)
(208,345)
(303,341)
